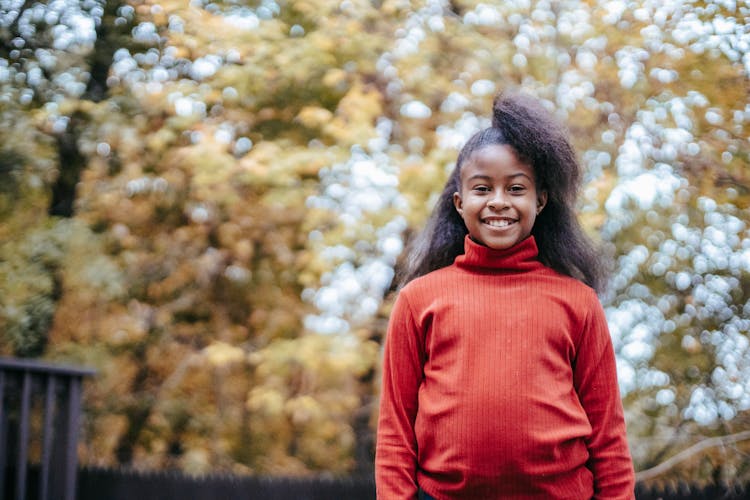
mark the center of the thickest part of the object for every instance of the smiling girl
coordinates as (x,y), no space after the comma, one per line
(499,375)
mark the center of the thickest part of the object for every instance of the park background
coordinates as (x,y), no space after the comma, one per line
(206,201)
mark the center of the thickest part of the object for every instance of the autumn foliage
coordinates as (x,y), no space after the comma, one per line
(205,201)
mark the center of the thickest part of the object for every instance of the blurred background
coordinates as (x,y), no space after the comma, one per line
(206,201)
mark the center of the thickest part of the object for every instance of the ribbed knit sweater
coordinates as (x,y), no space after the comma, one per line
(499,381)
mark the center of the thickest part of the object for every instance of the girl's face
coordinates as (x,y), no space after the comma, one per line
(498,200)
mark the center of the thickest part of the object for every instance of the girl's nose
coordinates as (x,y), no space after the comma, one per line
(497,201)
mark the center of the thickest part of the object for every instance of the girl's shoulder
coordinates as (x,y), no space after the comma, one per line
(569,287)
(438,276)
(432,282)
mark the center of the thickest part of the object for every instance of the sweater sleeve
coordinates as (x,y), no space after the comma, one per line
(396,448)
(595,379)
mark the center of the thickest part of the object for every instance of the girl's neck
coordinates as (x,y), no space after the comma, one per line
(521,257)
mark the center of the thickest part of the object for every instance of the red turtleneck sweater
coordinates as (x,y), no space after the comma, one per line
(499,381)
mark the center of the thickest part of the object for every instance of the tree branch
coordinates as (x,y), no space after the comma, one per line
(673,441)
(689,452)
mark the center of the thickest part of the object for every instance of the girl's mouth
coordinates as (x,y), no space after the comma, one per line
(499,222)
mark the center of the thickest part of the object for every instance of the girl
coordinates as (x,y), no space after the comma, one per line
(499,375)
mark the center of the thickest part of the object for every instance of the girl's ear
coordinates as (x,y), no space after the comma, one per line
(541,201)
(458,203)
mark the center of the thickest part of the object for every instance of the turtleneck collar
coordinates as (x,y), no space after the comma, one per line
(521,257)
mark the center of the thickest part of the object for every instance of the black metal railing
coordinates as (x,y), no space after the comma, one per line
(40,407)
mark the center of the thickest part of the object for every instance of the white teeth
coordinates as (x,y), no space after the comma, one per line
(498,223)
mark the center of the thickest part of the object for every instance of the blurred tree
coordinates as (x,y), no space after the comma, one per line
(206,200)
(198,197)
(676,221)
(40,65)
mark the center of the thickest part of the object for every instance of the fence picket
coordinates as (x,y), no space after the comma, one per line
(29,392)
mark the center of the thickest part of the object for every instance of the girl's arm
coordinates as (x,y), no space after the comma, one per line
(595,379)
(396,449)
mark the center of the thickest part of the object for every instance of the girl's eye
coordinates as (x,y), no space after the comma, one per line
(481,189)
(517,189)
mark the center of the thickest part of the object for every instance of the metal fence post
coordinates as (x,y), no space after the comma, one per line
(28,388)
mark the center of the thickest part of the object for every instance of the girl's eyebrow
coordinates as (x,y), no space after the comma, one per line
(478,176)
(487,177)
(519,174)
